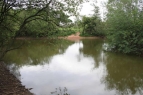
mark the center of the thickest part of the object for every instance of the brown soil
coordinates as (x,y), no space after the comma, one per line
(9,84)
(77,37)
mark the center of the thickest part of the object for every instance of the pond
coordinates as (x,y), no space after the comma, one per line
(81,67)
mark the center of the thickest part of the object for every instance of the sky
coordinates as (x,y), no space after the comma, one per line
(87,8)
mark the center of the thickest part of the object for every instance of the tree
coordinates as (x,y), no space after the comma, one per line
(17,15)
(89,25)
(125,26)
(92,26)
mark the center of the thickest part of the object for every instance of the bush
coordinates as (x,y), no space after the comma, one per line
(65,32)
(92,26)
(126,42)
(125,27)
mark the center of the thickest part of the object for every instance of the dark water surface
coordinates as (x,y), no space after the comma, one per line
(77,68)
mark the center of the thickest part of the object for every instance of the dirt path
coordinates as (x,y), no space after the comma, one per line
(9,84)
(77,37)
(74,35)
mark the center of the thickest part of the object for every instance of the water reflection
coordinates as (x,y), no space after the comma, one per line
(124,74)
(93,48)
(60,91)
(36,52)
(81,66)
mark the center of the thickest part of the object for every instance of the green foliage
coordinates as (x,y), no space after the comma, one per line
(33,18)
(92,26)
(126,42)
(43,28)
(65,32)
(125,27)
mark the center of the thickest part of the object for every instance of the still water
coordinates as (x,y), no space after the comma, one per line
(75,67)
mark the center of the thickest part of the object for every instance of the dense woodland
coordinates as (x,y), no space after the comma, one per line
(122,26)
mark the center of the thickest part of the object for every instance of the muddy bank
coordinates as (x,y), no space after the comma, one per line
(73,37)
(9,84)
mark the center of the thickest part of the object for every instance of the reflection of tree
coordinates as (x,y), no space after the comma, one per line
(60,91)
(14,70)
(34,52)
(93,48)
(124,74)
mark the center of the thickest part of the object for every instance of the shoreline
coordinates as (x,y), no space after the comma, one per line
(70,37)
(66,37)
(9,84)
(75,38)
